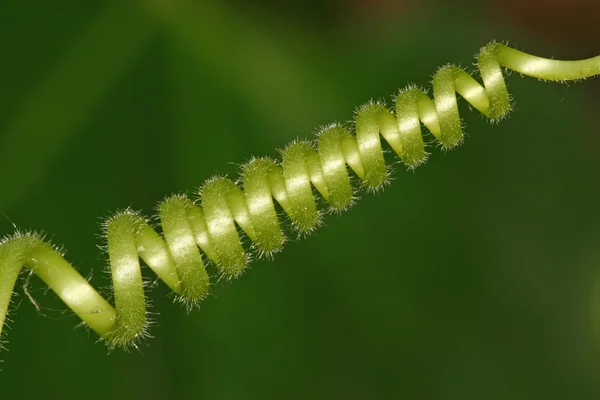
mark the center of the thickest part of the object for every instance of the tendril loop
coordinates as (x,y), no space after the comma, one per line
(227,214)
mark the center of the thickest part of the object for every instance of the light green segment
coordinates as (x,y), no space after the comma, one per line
(201,234)
(222,202)
(369,145)
(155,253)
(303,209)
(128,289)
(12,258)
(184,249)
(547,69)
(227,207)
(58,274)
(409,128)
(493,80)
(333,165)
(258,176)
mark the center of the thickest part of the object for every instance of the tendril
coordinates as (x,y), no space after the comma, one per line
(212,230)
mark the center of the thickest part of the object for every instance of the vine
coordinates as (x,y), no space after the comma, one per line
(196,233)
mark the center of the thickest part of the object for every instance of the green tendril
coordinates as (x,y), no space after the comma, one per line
(213,229)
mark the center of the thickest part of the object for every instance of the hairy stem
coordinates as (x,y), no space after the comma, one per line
(193,234)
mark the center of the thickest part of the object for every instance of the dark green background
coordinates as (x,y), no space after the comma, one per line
(467,279)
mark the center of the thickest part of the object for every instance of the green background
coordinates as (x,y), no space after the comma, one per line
(470,278)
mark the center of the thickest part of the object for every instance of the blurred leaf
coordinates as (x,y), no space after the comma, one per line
(58,108)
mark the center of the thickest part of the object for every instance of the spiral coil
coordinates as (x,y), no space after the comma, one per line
(214,231)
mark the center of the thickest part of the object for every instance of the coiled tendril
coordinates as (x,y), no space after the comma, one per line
(193,234)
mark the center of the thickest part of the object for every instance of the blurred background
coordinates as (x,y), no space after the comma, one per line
(470,278)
